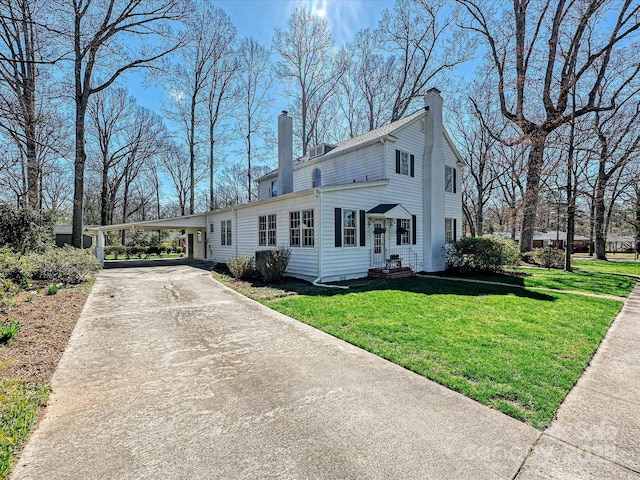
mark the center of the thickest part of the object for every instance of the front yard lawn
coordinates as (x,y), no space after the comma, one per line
(513,349)
(623,267)
(579,280)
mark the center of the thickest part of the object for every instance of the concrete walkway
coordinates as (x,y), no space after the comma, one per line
(169,374)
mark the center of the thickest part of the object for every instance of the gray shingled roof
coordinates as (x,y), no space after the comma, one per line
(367,137)
(359,140)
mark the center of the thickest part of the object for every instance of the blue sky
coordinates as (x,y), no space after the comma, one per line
(258,18)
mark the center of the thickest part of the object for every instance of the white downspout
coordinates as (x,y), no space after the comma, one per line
(235,224)
(317,281)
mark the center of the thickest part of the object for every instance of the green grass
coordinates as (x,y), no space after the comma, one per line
(622,267)
(513,349)
(19,405)
(579,280)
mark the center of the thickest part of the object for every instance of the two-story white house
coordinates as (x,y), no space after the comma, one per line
(385,201)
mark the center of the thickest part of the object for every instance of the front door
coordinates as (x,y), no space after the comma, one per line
(378,243)
(190,245)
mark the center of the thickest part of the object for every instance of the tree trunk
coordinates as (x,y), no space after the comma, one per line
(599,212)
(212,203)
(479,215)
(536,159)
(78,183)
(105,207)
(192,158)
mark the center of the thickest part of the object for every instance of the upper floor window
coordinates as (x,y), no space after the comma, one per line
(349,227)
(450,179)
(405,163)
(225,232)
(267,230)
(316,177)
(273,191)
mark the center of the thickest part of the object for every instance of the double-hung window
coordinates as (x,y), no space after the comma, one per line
(267,230)
(225,232)
(308,228)
(404,230)
(405,163)
(450,179)
(450,230)
(349,227)
(301,228)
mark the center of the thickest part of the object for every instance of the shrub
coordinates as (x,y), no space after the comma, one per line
(25,229)
(241,266)
(548,257)
(481,254)
(273,263)
(8,331)
(116,251)
(14,267)
(53,289)
(63,265)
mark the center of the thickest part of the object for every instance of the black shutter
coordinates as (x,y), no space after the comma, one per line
(338,226)
(412,166)
(455,228)
(363,238)
(414,229)
(398,234)
(454,180)
(397,161)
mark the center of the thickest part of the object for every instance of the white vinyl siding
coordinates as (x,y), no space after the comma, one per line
(304,261)
(365,164)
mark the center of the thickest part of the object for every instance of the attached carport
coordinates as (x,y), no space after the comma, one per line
(193,225)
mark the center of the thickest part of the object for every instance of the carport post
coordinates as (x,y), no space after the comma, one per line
(100,247)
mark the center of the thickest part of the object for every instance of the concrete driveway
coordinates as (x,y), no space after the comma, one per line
(171,375)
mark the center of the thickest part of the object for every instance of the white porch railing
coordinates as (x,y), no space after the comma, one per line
(395,257)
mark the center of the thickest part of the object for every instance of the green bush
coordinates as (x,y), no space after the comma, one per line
(273,263)
(115,251)
(63,265)
(53,289)
(481,254)
(548,257)
(241,266)
(25,229)
(14,267)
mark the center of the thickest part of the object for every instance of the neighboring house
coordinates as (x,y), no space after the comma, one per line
(553,238)
(63,236)
(384,201)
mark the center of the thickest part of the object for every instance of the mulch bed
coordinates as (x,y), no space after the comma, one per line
(46,323)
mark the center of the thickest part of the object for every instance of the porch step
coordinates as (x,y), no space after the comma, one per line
(392,273)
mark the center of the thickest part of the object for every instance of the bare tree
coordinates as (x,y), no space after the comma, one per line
(560,46)
(309,67)
(417,34)
(220,93)
(255,81)
(618,143)
(201,62)
(107,39)
(111,114)
(19,56)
